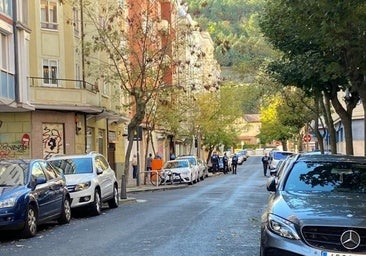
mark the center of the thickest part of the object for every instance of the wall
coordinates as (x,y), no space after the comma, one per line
(15,135)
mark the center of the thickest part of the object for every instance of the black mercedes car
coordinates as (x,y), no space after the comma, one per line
(317,207)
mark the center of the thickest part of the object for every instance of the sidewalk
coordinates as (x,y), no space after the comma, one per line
(149,187)
(142,188)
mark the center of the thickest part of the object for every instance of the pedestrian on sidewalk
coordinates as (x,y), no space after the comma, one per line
(234,163)
(265,162)
(134,166)
(148,166)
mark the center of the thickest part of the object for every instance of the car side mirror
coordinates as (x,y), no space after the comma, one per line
(99,170)
(271,184)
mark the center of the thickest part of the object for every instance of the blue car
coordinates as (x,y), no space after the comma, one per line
(31,192)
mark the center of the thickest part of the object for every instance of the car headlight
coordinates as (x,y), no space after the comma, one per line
(282,227)
(9,202)
(82,186)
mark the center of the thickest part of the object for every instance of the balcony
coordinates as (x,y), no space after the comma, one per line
(64,94)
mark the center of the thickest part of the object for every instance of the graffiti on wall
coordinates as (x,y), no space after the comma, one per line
(52,139)
(10,151)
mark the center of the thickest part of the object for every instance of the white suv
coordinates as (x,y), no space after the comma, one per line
(89,179)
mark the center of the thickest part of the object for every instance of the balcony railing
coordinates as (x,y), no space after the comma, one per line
(61,83)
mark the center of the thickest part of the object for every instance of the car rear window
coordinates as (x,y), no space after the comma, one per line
(177,164)
(335,176)
(74,165)
(281,155)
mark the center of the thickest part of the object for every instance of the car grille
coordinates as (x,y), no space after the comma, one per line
(71,188)
(328,238)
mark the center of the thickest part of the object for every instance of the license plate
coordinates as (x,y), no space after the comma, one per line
(340,254)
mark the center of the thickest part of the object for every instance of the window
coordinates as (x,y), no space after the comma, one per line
(50,72)
(105,88)
(37,172)
(48,14)
(48,170)
(4,49)
(23,11)
(76,22)
(6,77)
(5,7)
(77,76)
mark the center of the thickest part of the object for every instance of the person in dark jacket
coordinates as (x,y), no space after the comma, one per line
(215,162)
(234,163)
(225,161)
(265,162)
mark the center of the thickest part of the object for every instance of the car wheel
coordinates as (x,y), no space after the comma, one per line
(113,203)
(97,204)
(66,213)
(191,180)
(30,226)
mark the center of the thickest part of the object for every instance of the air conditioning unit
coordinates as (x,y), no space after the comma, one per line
(160,137)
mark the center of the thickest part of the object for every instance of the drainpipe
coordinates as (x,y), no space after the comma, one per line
(16,52)
(82,43)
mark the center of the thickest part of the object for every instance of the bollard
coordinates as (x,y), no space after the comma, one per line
(123,187)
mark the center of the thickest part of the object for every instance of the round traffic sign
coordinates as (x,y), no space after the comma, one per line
(307,138)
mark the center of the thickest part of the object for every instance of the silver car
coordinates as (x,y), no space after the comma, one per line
(316,207)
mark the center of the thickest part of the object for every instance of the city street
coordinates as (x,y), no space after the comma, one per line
(217,216)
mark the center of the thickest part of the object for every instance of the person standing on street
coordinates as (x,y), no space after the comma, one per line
(148,165)
(234,163)
(134,166)
(225,160)
(265,161)
(215,162)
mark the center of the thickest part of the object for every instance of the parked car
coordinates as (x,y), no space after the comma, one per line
(204,167)
(32,192)
(316,207)
(198,172)
(242,156)
(90,180)
(276,156)
(180,169)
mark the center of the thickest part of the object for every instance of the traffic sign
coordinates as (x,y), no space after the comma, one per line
(307,138)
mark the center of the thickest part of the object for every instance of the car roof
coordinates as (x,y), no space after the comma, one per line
(177,160)
(331,158)
(88,155)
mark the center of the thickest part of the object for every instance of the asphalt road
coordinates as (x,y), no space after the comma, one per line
(217,216)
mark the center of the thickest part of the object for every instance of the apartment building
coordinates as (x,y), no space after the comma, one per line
(15,103)
(53,100)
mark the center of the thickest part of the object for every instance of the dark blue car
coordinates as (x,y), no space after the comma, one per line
(31,192)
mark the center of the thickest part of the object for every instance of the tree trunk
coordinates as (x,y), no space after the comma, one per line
(325,105)
(362,92)
(346,118)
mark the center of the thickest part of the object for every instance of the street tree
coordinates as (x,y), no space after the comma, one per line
(216,116)
(127,48)
(284,115)
(312,36)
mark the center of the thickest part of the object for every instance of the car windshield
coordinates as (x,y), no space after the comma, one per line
(74,165)
(13,174)
(335,176)
(176,164)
